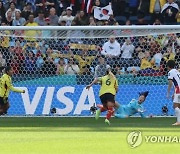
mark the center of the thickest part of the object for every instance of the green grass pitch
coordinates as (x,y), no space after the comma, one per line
(83,135)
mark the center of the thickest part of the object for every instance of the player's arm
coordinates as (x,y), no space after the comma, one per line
(142,115)
(11,87)
(141,111)
(94,81)
(145,116)
(116,86)
(170,83)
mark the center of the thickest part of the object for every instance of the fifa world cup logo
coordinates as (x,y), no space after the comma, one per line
(134,139)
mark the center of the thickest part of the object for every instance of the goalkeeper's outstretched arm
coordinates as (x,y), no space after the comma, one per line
(143,115)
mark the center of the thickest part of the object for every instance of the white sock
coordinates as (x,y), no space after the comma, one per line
(177,112)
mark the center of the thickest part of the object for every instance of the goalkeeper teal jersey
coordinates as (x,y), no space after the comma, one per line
(130,109)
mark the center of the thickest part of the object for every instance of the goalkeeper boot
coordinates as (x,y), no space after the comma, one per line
(107,121)
(98,112)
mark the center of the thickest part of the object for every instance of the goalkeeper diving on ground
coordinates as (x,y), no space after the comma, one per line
(135,106)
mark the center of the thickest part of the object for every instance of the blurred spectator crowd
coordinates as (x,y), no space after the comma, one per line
(82,12)
(143,55)
(138,56)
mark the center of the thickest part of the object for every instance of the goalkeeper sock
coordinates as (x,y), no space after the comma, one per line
(110,113)
(177,112)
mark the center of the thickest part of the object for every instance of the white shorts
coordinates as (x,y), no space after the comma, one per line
(176,98)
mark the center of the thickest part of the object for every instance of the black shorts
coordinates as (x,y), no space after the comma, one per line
(3,101)
(107,97)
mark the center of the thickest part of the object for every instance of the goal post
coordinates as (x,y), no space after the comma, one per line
(54,65)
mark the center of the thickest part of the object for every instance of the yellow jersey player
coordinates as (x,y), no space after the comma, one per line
(5,87)
(109,87)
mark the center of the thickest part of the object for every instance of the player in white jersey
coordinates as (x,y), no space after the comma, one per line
(174,79)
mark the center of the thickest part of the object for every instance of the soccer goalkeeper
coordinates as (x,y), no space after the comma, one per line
(135,106)
(5,87)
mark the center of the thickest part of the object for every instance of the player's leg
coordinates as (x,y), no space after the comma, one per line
(1,105)
(176,107)
(110,106)
(111,103)
(177,113)
(1,110)
(116,106)
(121,116)
(98,112)
(108,102)
(102,107)
(119,113)
(6,107)
(109,114)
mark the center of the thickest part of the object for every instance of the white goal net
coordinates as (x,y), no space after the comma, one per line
(54,65)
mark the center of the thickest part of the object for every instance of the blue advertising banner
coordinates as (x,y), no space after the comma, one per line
(77,100)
